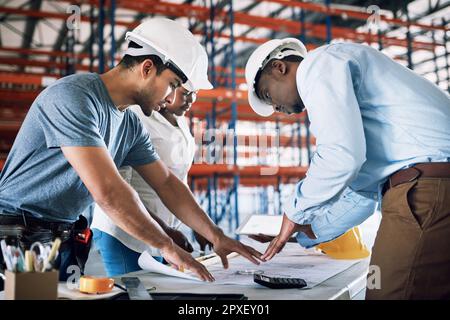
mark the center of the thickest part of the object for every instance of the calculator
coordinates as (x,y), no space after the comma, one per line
(279,282)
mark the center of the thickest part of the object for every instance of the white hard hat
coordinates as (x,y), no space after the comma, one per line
(272,49)
(177,48)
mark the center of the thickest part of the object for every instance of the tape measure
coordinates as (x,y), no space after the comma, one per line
(96,285)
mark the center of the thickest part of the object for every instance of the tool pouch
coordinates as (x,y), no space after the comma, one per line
(82,239)
(75,251)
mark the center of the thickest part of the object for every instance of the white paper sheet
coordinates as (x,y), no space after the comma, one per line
(148,263)
(264,224)
(294,261)
(314,269)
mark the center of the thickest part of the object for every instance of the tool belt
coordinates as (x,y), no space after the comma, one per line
(76,237)
(420,170)
(28,230)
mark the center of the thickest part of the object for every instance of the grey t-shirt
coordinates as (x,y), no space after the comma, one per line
(74,111)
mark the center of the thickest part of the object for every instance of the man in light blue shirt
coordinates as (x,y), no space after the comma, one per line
(374,121)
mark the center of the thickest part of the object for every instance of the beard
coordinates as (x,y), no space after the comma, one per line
(144,101)
(146,112)
(180,113)
(298,107)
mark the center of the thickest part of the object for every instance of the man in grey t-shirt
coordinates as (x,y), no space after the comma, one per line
(78,132)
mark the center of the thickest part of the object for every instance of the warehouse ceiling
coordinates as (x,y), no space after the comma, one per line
(48,31)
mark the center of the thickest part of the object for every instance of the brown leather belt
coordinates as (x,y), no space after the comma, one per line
(422,170)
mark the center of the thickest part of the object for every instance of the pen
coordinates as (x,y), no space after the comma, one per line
(55,248)
(37,262)
(10,258)
(52,255)
(18,255)
(28,261)
(14,264)
(209,256)
(6,256)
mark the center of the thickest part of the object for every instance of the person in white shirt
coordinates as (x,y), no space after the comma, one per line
(175,145)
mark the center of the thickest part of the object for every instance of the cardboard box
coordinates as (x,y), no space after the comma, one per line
(31,285)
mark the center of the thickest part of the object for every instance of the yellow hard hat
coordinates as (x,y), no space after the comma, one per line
(347,246)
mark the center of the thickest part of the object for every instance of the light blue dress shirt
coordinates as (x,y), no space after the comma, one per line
(371,117)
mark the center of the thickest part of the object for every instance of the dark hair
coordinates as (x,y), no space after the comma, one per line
(129,62)
(269,67)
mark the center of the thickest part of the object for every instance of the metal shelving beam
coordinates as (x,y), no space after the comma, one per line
(224,104)
(39,63)
(198,170)
(360,15)
(181,10)
(30,25)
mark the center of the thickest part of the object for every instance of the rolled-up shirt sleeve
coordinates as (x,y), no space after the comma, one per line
(336,216)
(336,122)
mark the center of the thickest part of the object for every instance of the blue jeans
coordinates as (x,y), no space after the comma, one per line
(117,258)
